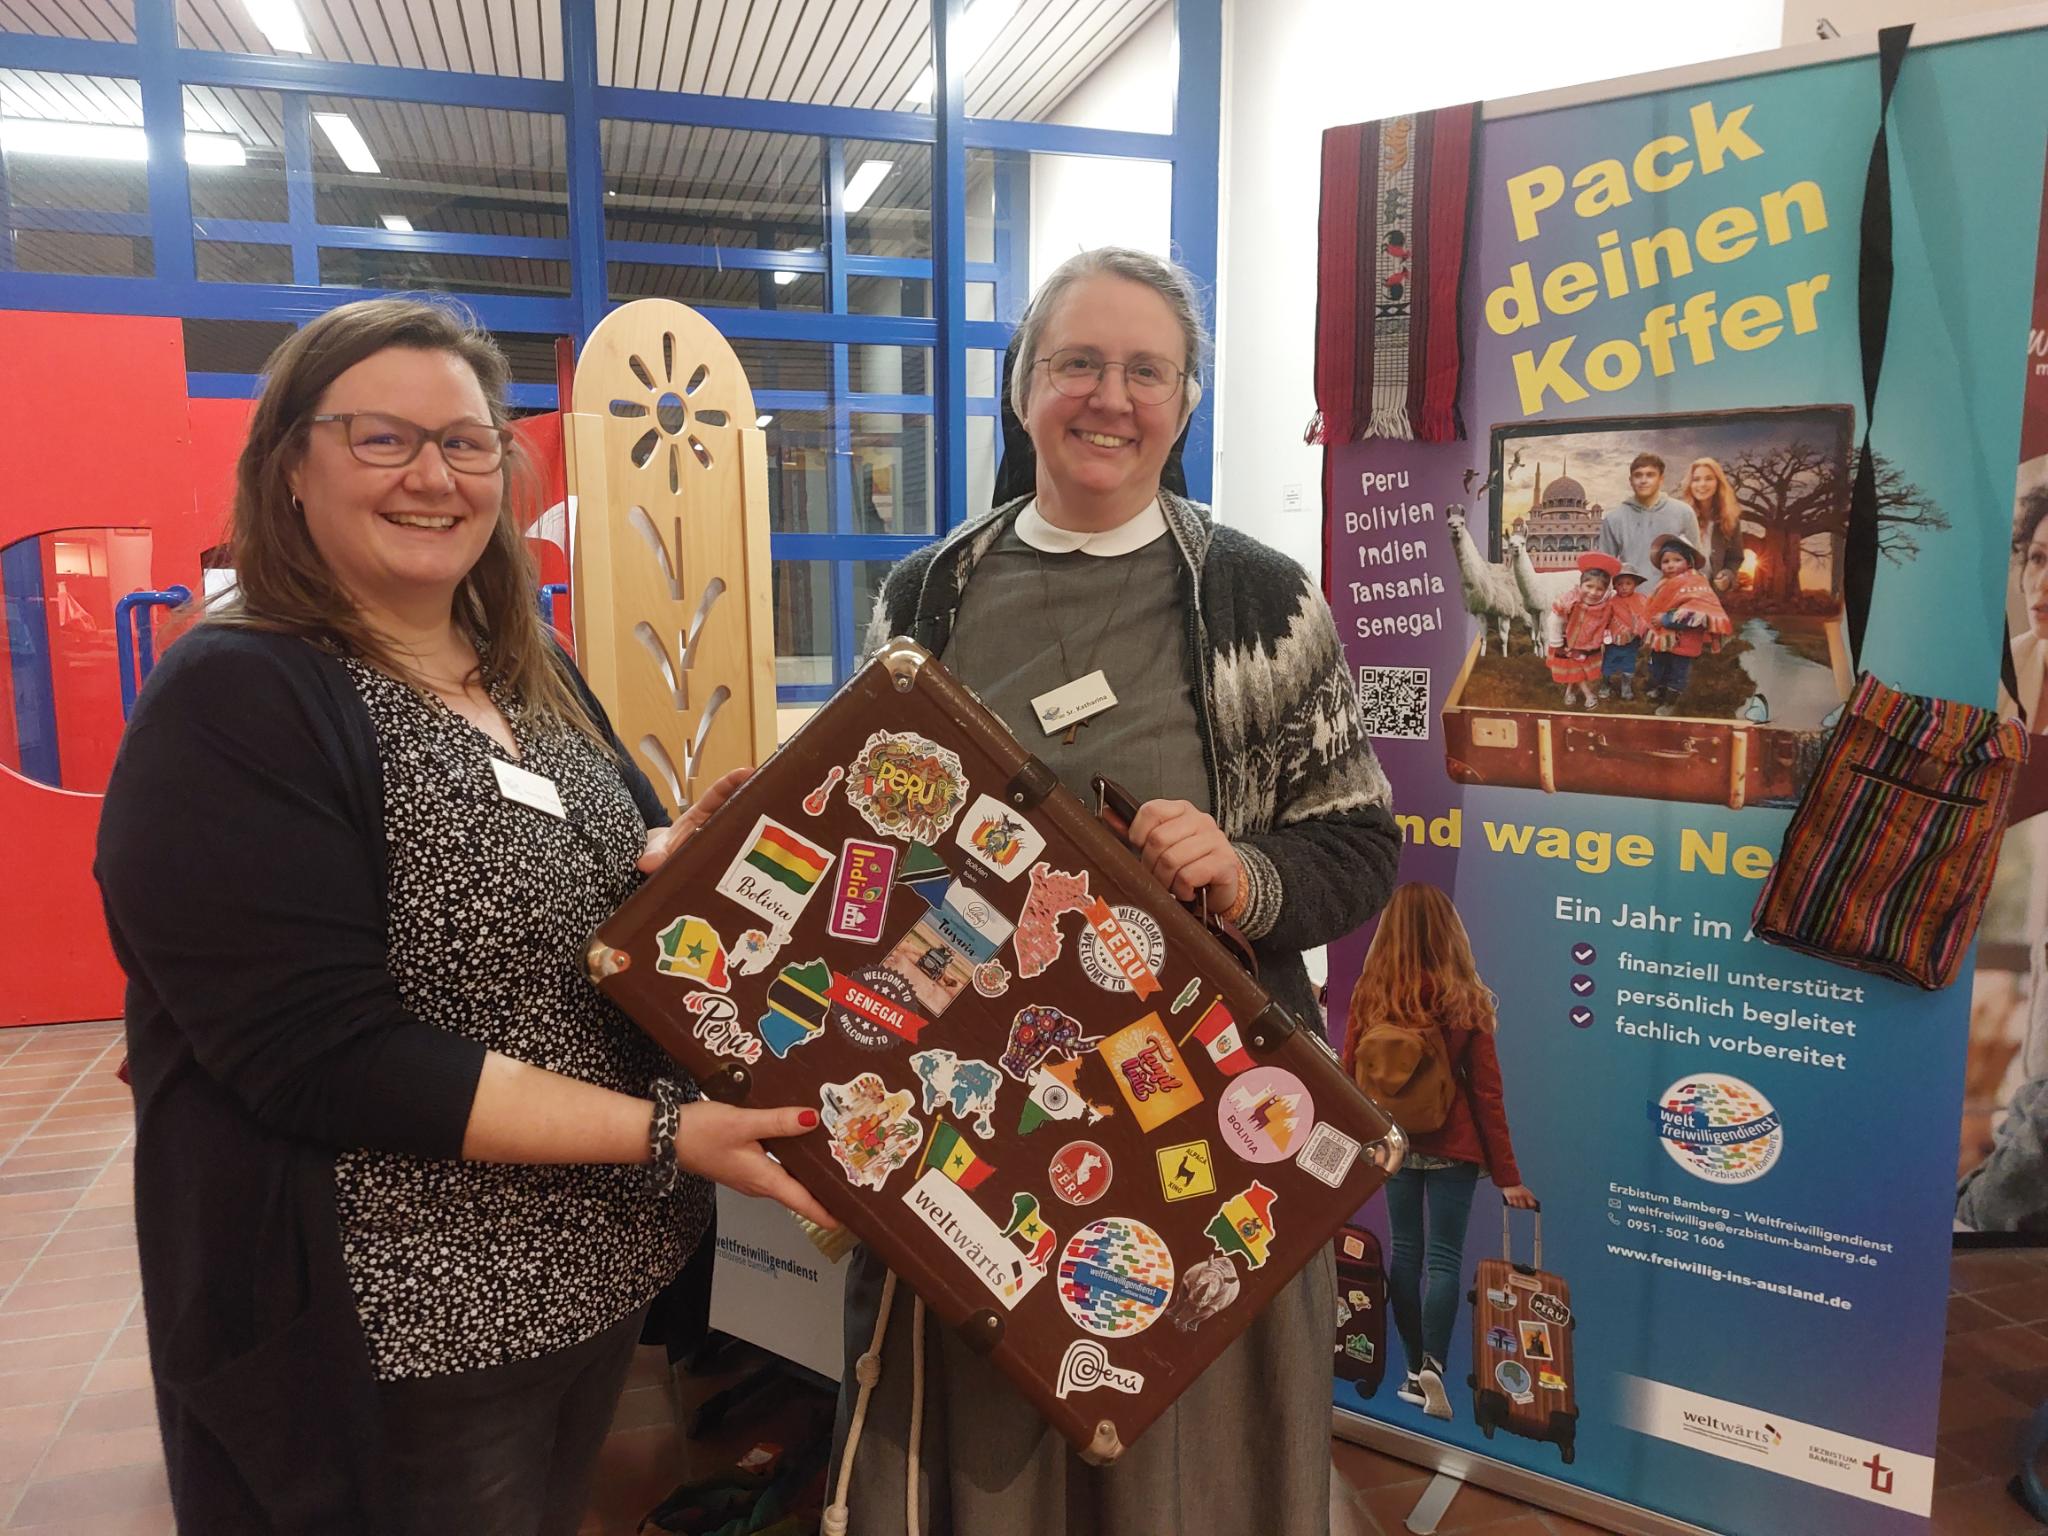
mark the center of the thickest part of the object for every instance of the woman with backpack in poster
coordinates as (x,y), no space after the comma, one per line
(1420,1042)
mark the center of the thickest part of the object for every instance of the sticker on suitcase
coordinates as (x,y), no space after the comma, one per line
(875,1008)
(1054,893)
(1243,1225)
(1265,1115)
(964,1087)
(1039,1033)
(1122,949)
(718,1026)
(1327,1154)
(1149,1072)
(972,1236)
(906,786)
(692,949)
(871,1129)
(1085,1366)
(1550,1309)
(999,838)
(1205,1289)
(1116,1277)
(939,954)
(1056,1094)
(1217,1033)
(860,891)
(775,873)
(1080,1172)
(1186,1170)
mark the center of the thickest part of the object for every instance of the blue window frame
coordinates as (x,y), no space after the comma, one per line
(872,332)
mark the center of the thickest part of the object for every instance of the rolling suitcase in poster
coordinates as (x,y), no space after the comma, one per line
(1052,1101)
(1361,1350)
(1522,1324)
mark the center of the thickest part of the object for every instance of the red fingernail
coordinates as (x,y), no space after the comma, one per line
(807,1119)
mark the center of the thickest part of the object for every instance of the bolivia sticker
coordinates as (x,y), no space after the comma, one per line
(875,1008)
(905,786)
(1551,1309)
(963,1087)
(775,873)
(998,837)
(1054,893)
(718,1026)
(1122,949)
(1186,1171)
(860,893)
(1080,1173)
(990,979)
(1085,1367)
(1550,1381)
(1149,1072)
(798,1002)
(1205,1289)
(1115,1277)
(872,1131)
(1513,1378)
(692,949)
(1039,1033)
(1327,1154)
(1718,1128)
(1243,1225)
(1265,1115)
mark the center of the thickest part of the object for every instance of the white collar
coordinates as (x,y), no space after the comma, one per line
(1132,534)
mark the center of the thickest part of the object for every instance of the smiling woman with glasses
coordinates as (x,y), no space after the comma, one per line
(395,1247)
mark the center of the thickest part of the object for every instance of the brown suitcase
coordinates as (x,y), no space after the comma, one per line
(1523,1378)
(1052,1103)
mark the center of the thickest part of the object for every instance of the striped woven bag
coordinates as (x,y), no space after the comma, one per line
(1887,863)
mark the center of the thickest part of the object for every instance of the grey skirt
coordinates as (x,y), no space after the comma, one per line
(1244,1452)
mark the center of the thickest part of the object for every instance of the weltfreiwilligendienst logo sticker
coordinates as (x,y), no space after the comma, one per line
(1718,1128)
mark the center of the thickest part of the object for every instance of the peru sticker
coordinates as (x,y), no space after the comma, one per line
(1080,1172)
(872,1131)
(999,838)
(775,873)
(718,1026)
(905,786)
(1085,1367)
(1551,1309)
(1122,949)
(860,894)
(1327,1154)
(1266,1115)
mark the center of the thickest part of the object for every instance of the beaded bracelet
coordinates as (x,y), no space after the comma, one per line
(661,1135)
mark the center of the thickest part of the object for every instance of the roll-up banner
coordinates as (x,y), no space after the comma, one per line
(1599,640)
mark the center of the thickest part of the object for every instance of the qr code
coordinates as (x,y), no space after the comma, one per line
(1328,1154)
(1395,701)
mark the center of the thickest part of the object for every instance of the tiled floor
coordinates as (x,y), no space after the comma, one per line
(78,1448)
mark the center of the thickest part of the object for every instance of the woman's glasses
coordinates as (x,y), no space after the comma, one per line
(391,442)
(1077,371)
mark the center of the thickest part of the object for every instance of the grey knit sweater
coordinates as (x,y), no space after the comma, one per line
(1292,775)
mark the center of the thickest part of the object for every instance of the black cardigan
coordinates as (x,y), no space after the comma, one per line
(241,860)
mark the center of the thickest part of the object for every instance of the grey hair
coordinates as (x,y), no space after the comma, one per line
(1170,281)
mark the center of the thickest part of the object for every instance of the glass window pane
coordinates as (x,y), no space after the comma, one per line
(240,174)
(712,186)
(232,346)
(889,296)
(426,34)
(1079,202)
(799,472)
(836,55)
(42,250)
(981,464)
(803,621)
(73,158)
(888,199)
(893,474)
(531,355)
(868,576)
(805,365)
(447,170)
(425,272)
(981,372)
(711,288)
(230,261)
(890,370)
(1077,62)
(981,301)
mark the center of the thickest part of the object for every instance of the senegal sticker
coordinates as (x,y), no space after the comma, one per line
(875,1008)
(1085,1367)
(718,1026)
(1265,1115)
(872,1131)
(1122,949)
(860,894)
(1080,1172)
(1243,1225)
(1205,1289)
(692,949)
(1327,1154)
(999,838)
(1027,1229)
(1054,893)
(775,873)
(963,1087)
(1149,1072)
(1186,1171)
(798,1001)
(905,786)
(1116,1277)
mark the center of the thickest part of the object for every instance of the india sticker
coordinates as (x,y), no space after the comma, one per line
(1265,1115)
(1080,1173)
(1186,1171)
(907,787)
(860,895)
(873,1132)
(1055,1094)
(775,873)
(1149,1072)
(1115,1277)
(998,837)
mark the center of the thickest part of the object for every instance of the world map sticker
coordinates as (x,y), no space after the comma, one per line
(1265,1115)
(1115,1277)
(907,787)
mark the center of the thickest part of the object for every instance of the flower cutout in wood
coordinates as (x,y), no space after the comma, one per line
(674,411)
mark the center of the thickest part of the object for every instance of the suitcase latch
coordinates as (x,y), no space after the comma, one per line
(1033,782)
(1273,1027)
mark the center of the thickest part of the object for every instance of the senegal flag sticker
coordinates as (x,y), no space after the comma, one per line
(775,873)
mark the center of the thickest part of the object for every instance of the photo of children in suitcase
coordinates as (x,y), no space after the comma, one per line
(1659,602)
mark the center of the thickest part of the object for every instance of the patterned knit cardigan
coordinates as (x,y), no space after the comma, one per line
(1292,775)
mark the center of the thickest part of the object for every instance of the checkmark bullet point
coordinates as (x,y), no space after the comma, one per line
(1582,985)
(1584,954)
(1582,1018)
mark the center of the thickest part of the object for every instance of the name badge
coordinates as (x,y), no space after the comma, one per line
(1071,703)
(528,787)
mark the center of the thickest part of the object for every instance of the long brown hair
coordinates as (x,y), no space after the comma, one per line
(1725,511)
(281,582)
(1419,971)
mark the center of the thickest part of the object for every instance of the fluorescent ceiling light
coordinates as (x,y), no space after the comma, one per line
(763,419)
(784,279)
(280,23)
(110,141)
(979,24)
(348,142)
(397,223)
(860,186)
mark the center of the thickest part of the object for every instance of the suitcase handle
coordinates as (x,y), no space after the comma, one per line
(1116,808)
(1507,1245)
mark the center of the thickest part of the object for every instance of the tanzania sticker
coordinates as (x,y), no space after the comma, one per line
(754,951)
(1551,1309)
(692,949)
(1040,1032)
(1085,1366)
(1550,1381)
(1327,1154)
(1149,1073)
(1513,1377)
(1054,893)
(1536,1340)
(1080,1173)
(1188,993)
(798,1002)
(1055,1094)
(1265,1115)
(1205,1289)
(990,979)
(775,873)
(873,1132)
(907,787)
(974,1238)
(924,871)
(1186,1171)
(816,801)
(964,1087)
(1122,949)
(998,837)
(1116,1277)
(938,955)
(1217,1033)
(875,1008)
(718,1026)
(1500,1340)
(1027,1229)
(1243,1224)
(860,897)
